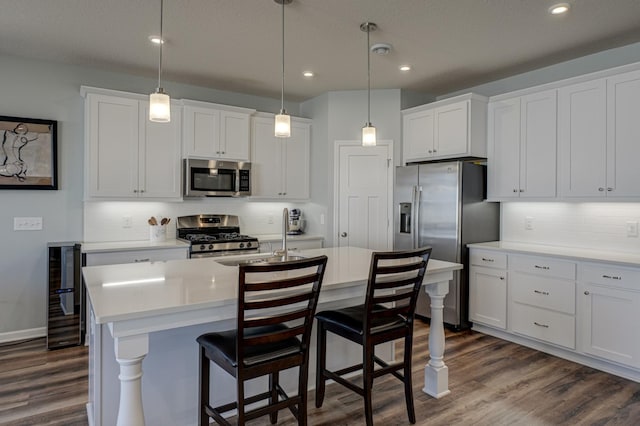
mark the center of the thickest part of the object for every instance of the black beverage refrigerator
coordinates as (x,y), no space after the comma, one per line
(65,301)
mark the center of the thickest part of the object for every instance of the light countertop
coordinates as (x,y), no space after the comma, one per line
(571,253)
(100,247)
(140,290)
(278,237)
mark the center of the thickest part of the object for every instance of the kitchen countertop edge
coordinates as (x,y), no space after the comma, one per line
(110,246)
(570,253)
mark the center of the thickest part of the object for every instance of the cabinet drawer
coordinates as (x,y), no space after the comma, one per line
(135,256)
(543,266)
(610,275)
(549,293)
(542,324)
(490,259)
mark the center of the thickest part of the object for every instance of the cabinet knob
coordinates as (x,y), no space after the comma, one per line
(600,189)
(515,190)
(435,150)
(343,235)
(135,191)
(522,190)
(142,190)
(430,151)
(502,278)
(586,293)
(609,189)
(217,152)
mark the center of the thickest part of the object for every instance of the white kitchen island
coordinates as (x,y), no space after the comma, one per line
(145,317)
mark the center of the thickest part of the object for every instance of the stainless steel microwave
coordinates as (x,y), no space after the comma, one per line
(215,178)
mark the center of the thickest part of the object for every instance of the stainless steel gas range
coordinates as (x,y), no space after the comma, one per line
(214,235)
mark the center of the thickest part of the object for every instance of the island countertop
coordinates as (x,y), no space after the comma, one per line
(136,291)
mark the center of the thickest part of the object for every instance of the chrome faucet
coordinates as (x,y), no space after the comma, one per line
(285,228)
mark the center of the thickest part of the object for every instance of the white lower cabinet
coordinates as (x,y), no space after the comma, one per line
(609,300)
(488,289)
(574,308)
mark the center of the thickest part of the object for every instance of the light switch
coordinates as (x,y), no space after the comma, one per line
(528,223)
(632,228)
(27,223)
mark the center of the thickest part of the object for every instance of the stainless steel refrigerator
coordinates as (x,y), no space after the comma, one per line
(442,205)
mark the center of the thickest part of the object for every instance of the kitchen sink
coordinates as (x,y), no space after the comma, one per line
(262,260)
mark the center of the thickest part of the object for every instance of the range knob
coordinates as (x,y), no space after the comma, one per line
(248,245)
(241,245)
(210,246)
(202,247)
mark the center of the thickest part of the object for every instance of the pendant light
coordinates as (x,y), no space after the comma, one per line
(368,131)
(159,101)
(283,120)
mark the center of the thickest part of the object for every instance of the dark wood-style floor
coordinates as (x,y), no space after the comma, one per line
(492,382)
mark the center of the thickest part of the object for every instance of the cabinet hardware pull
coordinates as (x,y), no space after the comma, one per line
(142,190)
(609,189)
(541,267)
(541,325)
(612,277)
(502,278)
(435,150)
(522,190)
(430,151)
(600,189)
(135,191)
(141,260)
(486,259)
(343,235)
(515,190)
(545,293)
(586,293)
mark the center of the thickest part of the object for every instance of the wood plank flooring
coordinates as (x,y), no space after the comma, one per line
(493,382)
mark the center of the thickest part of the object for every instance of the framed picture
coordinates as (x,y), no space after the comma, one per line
(28,153)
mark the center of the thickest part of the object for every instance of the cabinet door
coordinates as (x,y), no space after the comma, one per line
(296,162)
(266,167)
(201,132)
(623,128)
(504,149)
(582,131)
(159,152)
(488,296)
(234,135)
(451,130)
(538,145)
(609,323)
(112,130)
(417,135)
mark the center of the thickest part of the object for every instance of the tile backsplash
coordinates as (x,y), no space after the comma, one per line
(585,225)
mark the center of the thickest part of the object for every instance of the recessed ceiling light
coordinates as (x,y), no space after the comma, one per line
(559,9)
(308,74)
(405,68)
(155,39)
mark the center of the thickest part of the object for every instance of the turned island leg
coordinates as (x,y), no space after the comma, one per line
(436,373)
(130,351)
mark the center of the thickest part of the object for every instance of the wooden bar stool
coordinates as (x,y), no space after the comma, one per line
(387,314)
(276,304)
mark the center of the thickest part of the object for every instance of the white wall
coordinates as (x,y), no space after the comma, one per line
(584,225)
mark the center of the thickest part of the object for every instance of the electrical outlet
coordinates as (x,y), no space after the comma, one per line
(270,219)
(528,223)
(632,228)
(321,218)
(127,221)
(27,223)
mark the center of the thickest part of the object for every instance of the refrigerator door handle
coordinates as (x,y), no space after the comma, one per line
(415,202)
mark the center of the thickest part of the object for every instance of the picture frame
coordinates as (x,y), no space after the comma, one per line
(28,153)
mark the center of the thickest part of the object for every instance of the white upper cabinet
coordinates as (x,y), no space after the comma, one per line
(216,131)
(128,156)
(450,128)
(582,132)
(280,166)
(522,147)
(623,135)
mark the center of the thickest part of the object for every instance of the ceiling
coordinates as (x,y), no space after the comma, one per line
(235,45)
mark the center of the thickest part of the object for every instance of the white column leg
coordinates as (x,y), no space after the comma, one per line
(436,373)
(130,351)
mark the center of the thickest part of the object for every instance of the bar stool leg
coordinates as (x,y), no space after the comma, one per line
(408,382)
(273,386)
(203,397)
(321,361)
(367,379)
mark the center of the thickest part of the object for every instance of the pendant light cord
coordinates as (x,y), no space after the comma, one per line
(282,90)
(161,43)
(368,78)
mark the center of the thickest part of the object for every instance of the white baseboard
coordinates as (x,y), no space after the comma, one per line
(31,333)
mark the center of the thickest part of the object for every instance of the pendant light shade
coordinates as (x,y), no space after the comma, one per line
(368,131)
(283,120)
(159,101)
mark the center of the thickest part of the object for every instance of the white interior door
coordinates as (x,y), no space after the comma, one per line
(364,183)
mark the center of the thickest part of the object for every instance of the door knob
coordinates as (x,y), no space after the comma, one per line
(343,235)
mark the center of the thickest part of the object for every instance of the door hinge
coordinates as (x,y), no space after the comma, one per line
(388,162)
